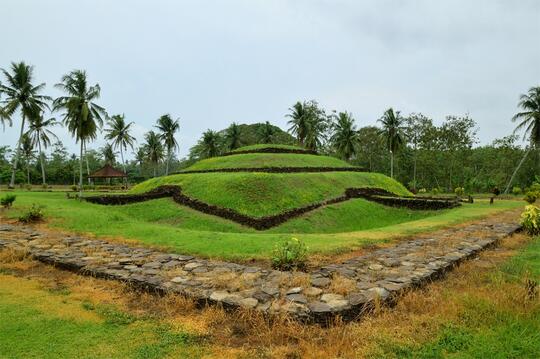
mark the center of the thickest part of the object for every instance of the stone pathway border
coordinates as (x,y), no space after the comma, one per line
(348,289)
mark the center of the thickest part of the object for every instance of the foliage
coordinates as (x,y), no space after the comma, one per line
(108,154)
(289,255)
(266,133)
(167,128)
(7,200)
(154,149)
(530,116)
(119,133)
(309,123)
(530,197)
(516,190)
(530,219)
(459,191)
(233,137)
(345,138)
(33,214)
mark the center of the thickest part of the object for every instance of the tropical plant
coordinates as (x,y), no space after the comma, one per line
(266,133)
(209,144)
(291,254)
(345,138)
(516,190)
(168,128)
(232,136)
(82,116)
(299,120)
(27,150)
(119,133)
(20,94)
(530,122)
(33,214)
(154,149)
(40,135)
(392,130)
(7,200)
(108,154)
(308,123)
(531,197)
(140,157)
(530,219)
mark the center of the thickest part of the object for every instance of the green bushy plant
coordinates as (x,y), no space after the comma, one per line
(516,190)
(74,188)
(435,190)
(530,219)
(7,200)
(34,214)
(422,190)
(530,197)
(459,191)
(291,254)
(28,187)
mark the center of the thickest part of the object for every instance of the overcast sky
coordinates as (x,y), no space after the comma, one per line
(214,62)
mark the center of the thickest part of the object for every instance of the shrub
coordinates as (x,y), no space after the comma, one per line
(530,219)
(7,200)
(44,186)
(34,214)
(28,187)
(459,191)
(422,190)
(74,188)
(496,191)
(435,190)
(291,254)
(516,190)
(530,197)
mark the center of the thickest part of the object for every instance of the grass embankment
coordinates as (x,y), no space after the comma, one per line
(263,194)
(263,160)
(262,146)
(480,310)
(166,224)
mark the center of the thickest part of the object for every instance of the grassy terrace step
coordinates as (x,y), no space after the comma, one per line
(275,148)
(264,194)
(260,160)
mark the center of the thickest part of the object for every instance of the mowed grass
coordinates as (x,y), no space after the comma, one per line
(36,322)
(263,160)
(261,146)
(165,224)
(263,194)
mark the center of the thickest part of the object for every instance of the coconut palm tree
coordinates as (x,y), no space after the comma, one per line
(20,94)
(154,149)
(392,131)
(140,157)
(119,133)
(40,135)
(27,150)
(529,121)
(108,154)
(82,116)
(209,144)
(345,136)
(299,120)
(167,128)
(232,136)
(266,133)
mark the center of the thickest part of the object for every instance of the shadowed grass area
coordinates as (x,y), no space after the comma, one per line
(165,223)
(39,323)
(258,160)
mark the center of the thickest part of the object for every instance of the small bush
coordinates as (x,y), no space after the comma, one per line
(530,197)
(290,255)
(34,214)
(7,200)
(44,186)
(459,191)
(74,188)
(496,191)
(28,187)
(435,190)
(516,190)
(530,219)
(422,190)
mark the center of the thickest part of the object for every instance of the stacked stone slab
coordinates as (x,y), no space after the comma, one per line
(378,276)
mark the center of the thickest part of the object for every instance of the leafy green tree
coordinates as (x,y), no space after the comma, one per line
(266,133)
(119,133)
(81,115)
(154,149)
(529,121)
(168,128)
(309,123)
(27,150)
(140,157)
(370,152)
(21,94)
(416,127)
(345,138)
(40,135)
(233,136)
(392,130)
(210,144)
(108,154)
(299,120)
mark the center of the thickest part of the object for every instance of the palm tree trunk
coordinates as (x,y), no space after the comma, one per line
(80,170)
(155,167)
(87,166)
(28,170)
(42,164)
(17,153)
(168,160)
(516,171)
(414,170)
(391,164)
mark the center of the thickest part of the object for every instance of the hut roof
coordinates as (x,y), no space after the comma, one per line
(107,171)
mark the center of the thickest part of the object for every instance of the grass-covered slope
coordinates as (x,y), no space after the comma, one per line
(261,194)
(263,160)
(263,146)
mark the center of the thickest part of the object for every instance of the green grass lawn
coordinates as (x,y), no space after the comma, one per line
(39,323)
(262,194)
(261,146)
(257,160)
(166,224)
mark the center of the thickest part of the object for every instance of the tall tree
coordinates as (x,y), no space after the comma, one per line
(530,122)
(266,133)
(345,138)
(416,125)
(299,121)
(40,135)
(82,116)
(21,94)
(108,154)
(119,133)
(140,157)
(209,144)
(168,128)
(232,136)
(392,130)
(27,150)
(154,149)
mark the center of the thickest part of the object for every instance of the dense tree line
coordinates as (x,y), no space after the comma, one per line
(410,148)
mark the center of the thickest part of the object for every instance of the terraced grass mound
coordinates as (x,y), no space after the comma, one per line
(266,160)
(276,148)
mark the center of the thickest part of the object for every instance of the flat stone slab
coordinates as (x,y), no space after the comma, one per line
(348,289)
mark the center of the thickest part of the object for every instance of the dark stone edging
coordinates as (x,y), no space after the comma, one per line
(261,223)
(276,170)
(273,150)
